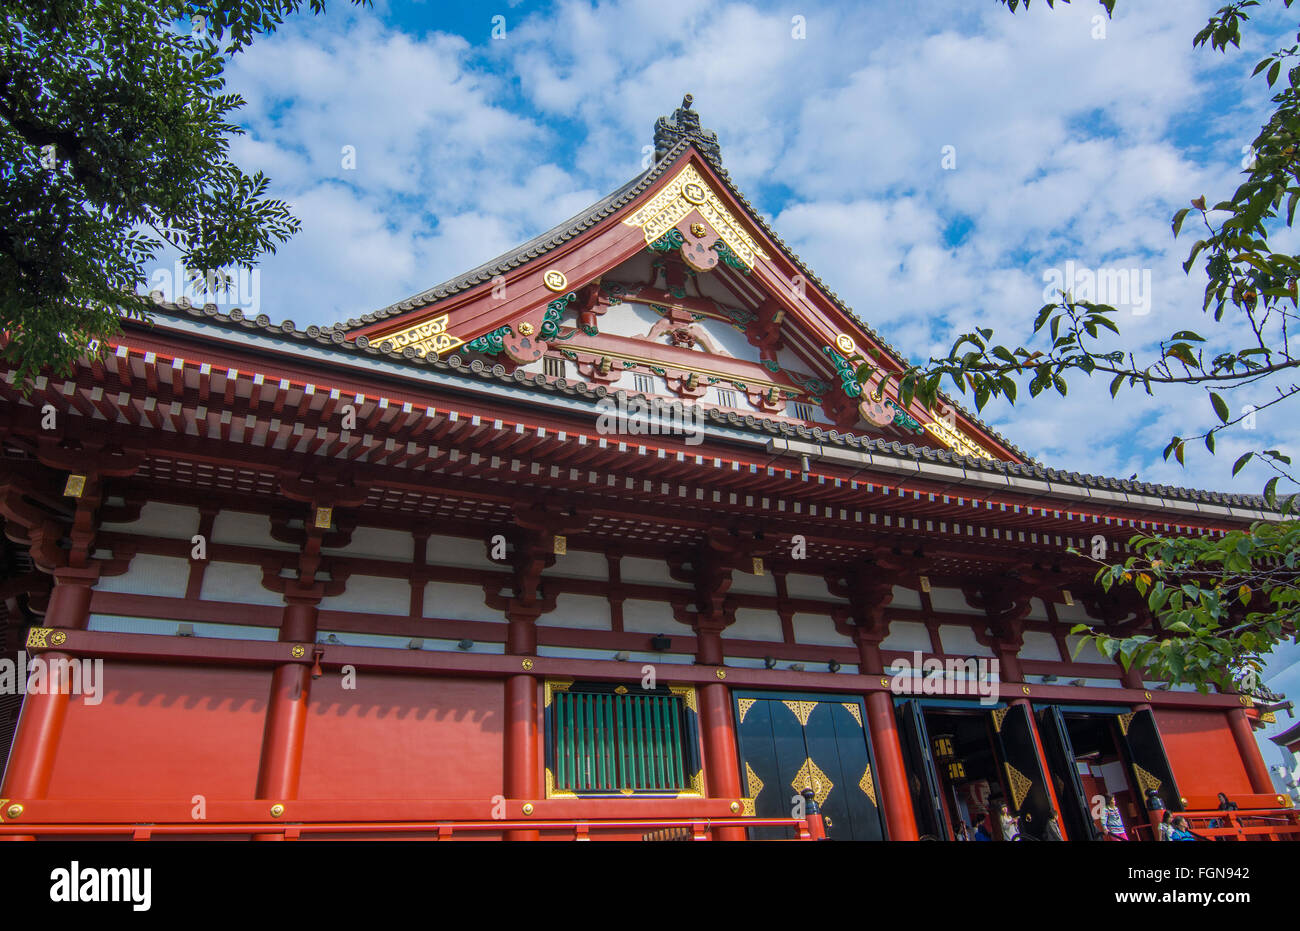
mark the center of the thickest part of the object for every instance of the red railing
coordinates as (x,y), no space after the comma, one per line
(1248,824)
(428,830)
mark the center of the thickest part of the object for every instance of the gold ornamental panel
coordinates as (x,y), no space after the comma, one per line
(811,777)
(868,785)
(801,709)
(852,708)
(744,704)
(1020,784)
(684,193)
(956,440)
(1145,780)
(429,337)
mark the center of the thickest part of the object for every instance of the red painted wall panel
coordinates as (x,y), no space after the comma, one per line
(1202,752)
(164,732)
(401,736)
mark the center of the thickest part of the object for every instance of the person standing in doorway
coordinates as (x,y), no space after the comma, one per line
(1010,825)
(1112,822)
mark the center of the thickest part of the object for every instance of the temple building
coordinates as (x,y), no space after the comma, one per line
(601,539)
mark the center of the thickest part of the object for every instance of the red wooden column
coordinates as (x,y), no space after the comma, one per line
(521,781)
(35,743)
(286,711)
(717,726)
(1256,769)
(895,794)
(40,724)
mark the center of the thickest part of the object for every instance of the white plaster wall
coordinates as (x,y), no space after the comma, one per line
(457,602)
(240,528)
(907,635)
(166,576)
(1072,613)
(960,641)
(949,599)
(168,628)
(581,565)
(458,551)
(752,624)
(905,598)
(376,543)
(1088,654)
(228,581)
(746,583)
(731,341)
(168,521)
(585,612)
(648,572)
(799,585)
(651,617)
(1039,645)
(372,595)
(817,629)
(633,664)
(1037,610)
(393,642)
(628,319)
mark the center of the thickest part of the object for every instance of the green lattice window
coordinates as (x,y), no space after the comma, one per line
(621,739)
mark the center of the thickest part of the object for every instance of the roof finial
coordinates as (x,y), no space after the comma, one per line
(685,124)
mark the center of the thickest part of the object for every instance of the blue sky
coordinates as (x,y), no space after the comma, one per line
(1068,144)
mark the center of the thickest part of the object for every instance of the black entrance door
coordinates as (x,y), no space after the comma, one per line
(787,744)
(1065,775)
(1026,781)
(921,775)
(1146,756)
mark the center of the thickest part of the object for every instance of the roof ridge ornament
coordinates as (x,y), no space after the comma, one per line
(685,124)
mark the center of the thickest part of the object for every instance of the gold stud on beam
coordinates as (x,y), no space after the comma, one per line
(324,517)
(277,810)
(561,545)
(75,487)
(1067,597)
(758,565)
(528,808)
(925,584)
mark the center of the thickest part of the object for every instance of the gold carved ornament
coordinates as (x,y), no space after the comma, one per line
(853,709)
(1000,715)
(956,440)
(687,694)
(801,709)
(1145,780)
(429,337)
(1124,721)
(810,776)
(684,193)
(37,637)
(744,704)
(1020,784)
(868,785)
(753,785)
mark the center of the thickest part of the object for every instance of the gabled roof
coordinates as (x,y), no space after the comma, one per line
(687,143)
(261,336)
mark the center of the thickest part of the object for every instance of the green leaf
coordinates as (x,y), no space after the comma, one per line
(1220,407)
